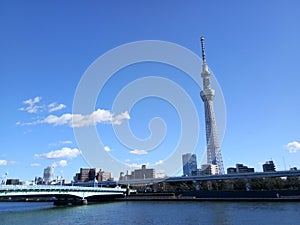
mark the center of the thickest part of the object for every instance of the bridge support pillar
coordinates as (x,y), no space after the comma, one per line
(84,202)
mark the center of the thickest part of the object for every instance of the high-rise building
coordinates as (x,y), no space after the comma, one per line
(48,174)
(214,155)
(189,162)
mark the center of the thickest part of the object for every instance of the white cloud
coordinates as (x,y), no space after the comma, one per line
(35,164)
(58,120)
(106,148)
(52,107)
(118,119)
(61,163)
(66,142)
(31,105)
(135,165)
(19,123)
(79,120)
(160,162)
(61,153)
(293,146)
(3,162)
(138,152)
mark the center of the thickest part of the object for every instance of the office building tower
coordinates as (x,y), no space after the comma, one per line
(48,174)
(189,162)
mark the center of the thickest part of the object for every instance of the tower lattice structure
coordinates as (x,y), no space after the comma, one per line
(214,155)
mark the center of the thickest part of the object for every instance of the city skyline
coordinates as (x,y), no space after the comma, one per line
(47,47)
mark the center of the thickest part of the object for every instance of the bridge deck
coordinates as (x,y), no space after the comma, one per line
(57,191)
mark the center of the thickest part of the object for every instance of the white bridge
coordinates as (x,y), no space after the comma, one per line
(61,194)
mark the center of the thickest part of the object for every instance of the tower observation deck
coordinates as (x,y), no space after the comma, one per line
(214,155)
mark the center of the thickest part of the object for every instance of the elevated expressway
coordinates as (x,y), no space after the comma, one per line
(287,173)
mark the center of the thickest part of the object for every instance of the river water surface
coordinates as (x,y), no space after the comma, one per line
(215,213)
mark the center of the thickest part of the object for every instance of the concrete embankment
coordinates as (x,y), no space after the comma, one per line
(273,196)
(148,198)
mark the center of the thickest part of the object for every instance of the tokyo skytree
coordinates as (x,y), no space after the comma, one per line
(214,155)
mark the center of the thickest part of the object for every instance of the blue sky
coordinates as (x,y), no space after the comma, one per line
(252,48)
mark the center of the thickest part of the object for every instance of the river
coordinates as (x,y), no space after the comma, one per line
(214,213)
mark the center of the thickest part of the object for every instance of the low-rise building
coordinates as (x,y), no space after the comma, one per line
(269,166)
(142,173)
(231,170)
(92,174)
(209,169)
(12,181)
(240,168)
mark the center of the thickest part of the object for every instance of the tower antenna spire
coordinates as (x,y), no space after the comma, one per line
(203,50)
